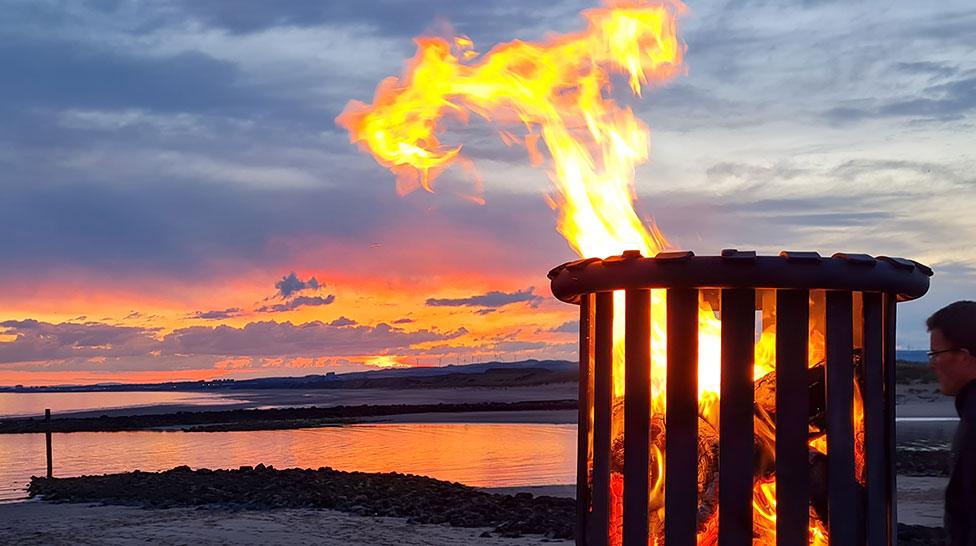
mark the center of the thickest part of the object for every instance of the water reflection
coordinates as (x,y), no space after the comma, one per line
(34,403)
(485,455)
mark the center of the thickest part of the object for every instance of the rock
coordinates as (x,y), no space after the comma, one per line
(918,535)
(416,498)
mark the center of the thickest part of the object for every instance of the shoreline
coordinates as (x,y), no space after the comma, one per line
(264,409)
(286,507)
(323,398)
(284,418)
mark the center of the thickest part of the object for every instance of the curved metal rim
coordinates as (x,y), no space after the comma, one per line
(907,279)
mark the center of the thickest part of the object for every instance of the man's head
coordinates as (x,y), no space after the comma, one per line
(952,345)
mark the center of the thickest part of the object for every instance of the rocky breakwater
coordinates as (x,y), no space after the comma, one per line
(418,498)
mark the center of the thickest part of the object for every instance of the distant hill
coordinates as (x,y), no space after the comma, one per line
(486,374)
(921,357)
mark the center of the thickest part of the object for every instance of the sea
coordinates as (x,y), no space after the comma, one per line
(470,453)
(920,357)
(29,404)
(477,454)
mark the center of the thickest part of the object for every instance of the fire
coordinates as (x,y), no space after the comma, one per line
(559,93)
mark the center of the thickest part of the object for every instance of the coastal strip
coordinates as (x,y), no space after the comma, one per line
(265,419)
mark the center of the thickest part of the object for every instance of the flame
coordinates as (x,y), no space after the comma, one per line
(559,93)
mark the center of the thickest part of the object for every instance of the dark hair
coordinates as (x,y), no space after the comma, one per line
(957,322)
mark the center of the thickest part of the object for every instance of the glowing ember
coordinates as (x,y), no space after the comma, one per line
(559,92)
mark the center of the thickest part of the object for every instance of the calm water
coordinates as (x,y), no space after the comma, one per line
(486,455)
(26,404)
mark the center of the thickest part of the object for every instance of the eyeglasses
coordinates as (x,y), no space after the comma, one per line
(933,354)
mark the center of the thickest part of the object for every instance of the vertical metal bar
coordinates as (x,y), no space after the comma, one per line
(47,441)
(792,413)
(842,518)
(889,375)
(736,418)
(583,419)
(602,385)
(681,432)
(874,422)
(637,415)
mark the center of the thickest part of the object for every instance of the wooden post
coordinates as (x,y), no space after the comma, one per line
(47,437)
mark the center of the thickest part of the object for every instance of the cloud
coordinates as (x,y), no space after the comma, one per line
(296,302)
(344,321)
(102,78)
(493,299)
(84,345)
(185,141)
(290,284)
(494,20)
(927,68)
(35,340)
(403,321)
(218,315)
(269,338)
(568,327)
(948,101)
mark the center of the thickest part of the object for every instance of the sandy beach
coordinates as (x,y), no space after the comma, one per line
(323,398)
(39,523)
(923,400)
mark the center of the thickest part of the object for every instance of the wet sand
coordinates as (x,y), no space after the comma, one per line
(39,523)
(919,400)
(323,398)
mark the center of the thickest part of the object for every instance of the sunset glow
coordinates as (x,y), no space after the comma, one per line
(134,213)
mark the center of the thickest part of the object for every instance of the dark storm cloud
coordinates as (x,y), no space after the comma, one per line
(296,302)
(493,299)
(217,314)
(290,284)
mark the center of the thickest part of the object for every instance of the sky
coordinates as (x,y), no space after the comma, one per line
(177,201)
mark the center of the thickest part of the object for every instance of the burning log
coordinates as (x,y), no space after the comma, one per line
(764,449)
(707,468)
(765,402)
